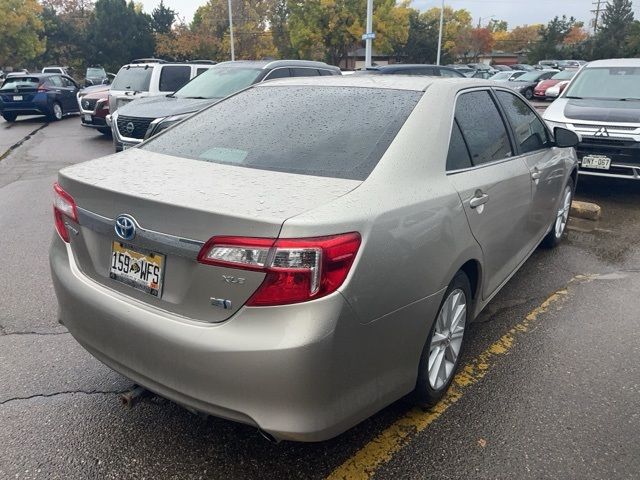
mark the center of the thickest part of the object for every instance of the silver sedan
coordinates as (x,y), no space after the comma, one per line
(307,251)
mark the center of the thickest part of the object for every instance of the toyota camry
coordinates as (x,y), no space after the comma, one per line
(307,251)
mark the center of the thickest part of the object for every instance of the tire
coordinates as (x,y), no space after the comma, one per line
(105,131)
(431,386)
(528,94)
(56,112)
(554,237)
(9,117)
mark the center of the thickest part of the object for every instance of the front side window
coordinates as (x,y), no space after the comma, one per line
(482,127)
(278,73)
(530,133)
(173,77)
(56,81)
(307,130)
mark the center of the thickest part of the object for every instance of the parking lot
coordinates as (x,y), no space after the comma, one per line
(550,385)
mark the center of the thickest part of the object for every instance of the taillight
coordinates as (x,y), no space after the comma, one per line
(297,270)
(42,88)
(63,206)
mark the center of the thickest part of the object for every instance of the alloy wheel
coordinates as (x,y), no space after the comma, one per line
(563,213)
(446,341)
(57,111)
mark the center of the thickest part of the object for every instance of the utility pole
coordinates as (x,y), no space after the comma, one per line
(369,35)
(440,33)
(233,53)
(597,4)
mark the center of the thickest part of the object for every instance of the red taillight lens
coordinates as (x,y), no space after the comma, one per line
(297,269)
(63,206)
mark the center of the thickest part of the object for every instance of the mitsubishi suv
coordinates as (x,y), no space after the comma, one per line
(146,117)
(602,105)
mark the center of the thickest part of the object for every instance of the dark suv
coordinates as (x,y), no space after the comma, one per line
(142,118)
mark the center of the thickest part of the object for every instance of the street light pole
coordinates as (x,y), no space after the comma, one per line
(368,35)
(233,53)
(440,33)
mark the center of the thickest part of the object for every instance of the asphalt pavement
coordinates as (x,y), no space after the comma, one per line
(551,388)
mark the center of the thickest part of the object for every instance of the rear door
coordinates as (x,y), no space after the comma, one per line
(546,167)
(494,186)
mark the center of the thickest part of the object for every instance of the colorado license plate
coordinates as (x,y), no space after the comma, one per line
(599,162)
(87,118)
(17,98)
(139,269)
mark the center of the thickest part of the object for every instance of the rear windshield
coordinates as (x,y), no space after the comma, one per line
(20,82)
(219,82)
(96,72)
(606,83)
(51,70)
(564,75)
(133,78)
(311,130)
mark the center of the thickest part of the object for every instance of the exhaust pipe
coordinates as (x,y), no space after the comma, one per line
(131,398)
(268,437)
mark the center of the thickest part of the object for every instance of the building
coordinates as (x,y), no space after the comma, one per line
(355,59)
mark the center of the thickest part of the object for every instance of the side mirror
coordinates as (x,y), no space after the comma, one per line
(565,138)
(106,81)
(88,82)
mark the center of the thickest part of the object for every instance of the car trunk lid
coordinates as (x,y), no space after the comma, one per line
(177,204)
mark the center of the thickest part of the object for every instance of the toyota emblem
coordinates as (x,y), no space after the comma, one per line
(130,127)
(125,227)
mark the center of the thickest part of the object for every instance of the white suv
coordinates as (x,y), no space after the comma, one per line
(149,77)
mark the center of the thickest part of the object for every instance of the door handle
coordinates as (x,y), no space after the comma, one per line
(536,174)
(479,199)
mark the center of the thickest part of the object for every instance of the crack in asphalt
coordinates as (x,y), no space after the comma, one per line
(20,142)
(64,392)
(4,333)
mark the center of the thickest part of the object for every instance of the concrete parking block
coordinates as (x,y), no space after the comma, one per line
(585,210)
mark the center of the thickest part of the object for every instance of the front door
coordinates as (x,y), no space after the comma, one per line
(495,188)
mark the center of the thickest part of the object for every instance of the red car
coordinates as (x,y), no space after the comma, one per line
(94,108)
(540,92)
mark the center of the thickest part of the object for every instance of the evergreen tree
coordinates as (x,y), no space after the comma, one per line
(163,18)
(617,21)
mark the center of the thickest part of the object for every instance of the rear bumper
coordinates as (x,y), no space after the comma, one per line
(303,372)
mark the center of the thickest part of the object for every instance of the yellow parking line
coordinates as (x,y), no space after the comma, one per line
(364,463)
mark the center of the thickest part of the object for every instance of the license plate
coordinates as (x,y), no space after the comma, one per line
(140,269)
(599,162)
(17,98)
(88,118)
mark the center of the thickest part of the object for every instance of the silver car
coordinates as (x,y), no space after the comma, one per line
(307,251)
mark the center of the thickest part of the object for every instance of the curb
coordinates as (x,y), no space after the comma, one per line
(586,210)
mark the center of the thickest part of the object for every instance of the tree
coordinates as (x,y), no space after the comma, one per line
(134,38)
(456,24)
(279,26)
(252,39)
(552,38)
(162,18)
(21,28)
(498,26)
(617,21)
(65,29)
(330,29)
(422,40)
(523,38)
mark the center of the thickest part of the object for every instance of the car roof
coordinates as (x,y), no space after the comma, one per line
(416,83)
(615,62)
(265,64)
(405,66)
(37,75)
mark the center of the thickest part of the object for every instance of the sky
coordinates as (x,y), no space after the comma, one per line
(515,12)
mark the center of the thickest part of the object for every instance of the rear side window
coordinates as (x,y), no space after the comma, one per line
(133,78)
(326,72)
(482,127)
(304,72)
(174,77)
(278,73)
(529,131)
(458,156)
(310,130)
